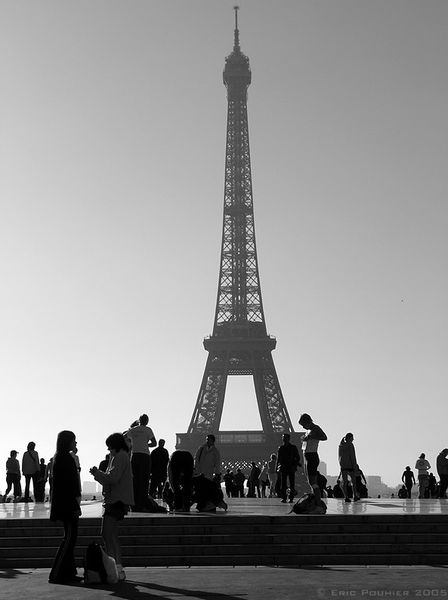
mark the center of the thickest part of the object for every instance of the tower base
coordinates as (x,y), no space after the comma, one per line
(239,449)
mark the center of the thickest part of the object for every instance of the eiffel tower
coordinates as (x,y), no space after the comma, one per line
(239,344)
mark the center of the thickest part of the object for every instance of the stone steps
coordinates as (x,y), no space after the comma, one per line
(225,540)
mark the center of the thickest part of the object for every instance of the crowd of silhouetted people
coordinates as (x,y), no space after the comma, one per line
(133,478)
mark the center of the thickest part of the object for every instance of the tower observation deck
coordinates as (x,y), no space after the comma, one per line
(239,344)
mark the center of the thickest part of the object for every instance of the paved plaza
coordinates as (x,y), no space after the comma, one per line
(238,583)
(253,506)
(243,583)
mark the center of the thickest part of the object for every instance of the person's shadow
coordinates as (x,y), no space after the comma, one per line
(132,590)
(8,573)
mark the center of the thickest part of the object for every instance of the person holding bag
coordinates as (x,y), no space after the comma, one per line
(118,495)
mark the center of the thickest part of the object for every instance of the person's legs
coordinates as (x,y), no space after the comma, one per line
(109,533)
(344,475)
(354,487)
(17,487)
(140,471)
(9,482)
(27,486)
(443,486)
(153,485)
(312,464)
(64,567)
(422,485)
(409,490)
(35,478)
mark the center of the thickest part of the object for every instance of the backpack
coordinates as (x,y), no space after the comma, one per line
(309,505)
(98,566)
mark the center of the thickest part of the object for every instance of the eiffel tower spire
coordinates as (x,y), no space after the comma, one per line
(239,344)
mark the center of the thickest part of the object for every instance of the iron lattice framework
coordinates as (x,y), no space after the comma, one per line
(239,344)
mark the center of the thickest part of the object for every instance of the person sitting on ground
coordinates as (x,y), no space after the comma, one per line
(337,490)
(403,492)
(180,476)
(322,483)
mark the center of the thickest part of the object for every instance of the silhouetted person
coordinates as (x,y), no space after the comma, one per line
(253,482)
(337,490)
(41,480)
(264,479)
(49,475)
(403,492)
(207,460)
(409,480)
(118,495)
(103,464)
(288,459)
(422,466)
(239,479)
(273,475)
(348,464)
(432,485)
(159,469)
(442,471)
(30,469)
(322,483)
(361,483)
(142,438)
(13,476)
(229,483)
(180,475)
(65,507)
(310,450)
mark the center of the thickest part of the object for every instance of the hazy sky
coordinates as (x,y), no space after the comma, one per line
(113,121)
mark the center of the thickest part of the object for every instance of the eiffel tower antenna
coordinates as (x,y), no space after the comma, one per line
(239,344)
(236,44)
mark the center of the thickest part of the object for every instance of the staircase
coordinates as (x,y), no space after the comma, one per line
(226,540)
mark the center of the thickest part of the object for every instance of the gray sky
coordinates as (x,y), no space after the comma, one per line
(113,120)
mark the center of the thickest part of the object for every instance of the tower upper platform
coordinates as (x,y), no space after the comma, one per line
(237,75)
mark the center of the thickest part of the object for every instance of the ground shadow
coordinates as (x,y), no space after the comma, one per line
(11,573)
(312,567)
(132,590)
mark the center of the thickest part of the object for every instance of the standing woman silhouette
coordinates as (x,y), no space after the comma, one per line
(65,507)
